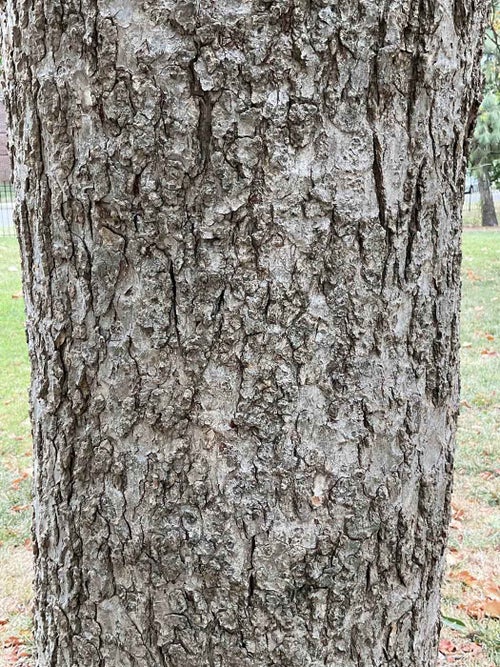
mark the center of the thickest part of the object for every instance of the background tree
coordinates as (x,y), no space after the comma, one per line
(486,141)
(240,232)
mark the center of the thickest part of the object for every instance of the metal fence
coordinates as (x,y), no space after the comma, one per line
(6,209)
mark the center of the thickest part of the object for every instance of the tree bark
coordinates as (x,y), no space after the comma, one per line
(240,232)
(488,212)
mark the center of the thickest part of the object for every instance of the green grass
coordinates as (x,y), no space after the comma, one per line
(15,448)
(474,535)
(480,317)
(477,455)
(474,538)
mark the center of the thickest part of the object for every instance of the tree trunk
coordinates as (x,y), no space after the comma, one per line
(488,212)
(240,231)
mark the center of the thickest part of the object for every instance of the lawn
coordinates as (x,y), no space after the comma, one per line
(15,464)
(471,595)
(471,635)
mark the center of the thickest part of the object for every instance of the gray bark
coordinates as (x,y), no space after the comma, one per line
(240,231)
(488,212)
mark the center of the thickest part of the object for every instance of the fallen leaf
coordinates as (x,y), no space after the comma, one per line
(12,641)
(491,608)
(11,657)
(491,589)
(446,646)
(490,336)
(457,512)
(17,482)
(17,295)
(466,345)
(20,508)
(4,621)
(474,609)
(471,647)
(488,353)
(471,275)
(465,577)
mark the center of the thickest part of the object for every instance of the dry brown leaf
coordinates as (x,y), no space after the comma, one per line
(487,474)
(465,577)
(447,647)
(471,275)
(12,641)
(20,508)
(491,589)
(475,609)
(457,512)
(471,647)
(491,608)
(17,482)
(11,657)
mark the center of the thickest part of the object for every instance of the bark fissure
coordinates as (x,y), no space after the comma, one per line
(379,180)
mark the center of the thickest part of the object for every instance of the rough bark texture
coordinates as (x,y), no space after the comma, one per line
(240,230)
(488,212)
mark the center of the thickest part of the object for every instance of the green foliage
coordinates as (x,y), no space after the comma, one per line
(486,141)
(485,149)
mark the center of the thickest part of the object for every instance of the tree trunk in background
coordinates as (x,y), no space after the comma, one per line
(488,212)
(240,231)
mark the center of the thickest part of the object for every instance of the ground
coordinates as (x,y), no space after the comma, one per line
(471,598)
(474,549)
(471,212)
